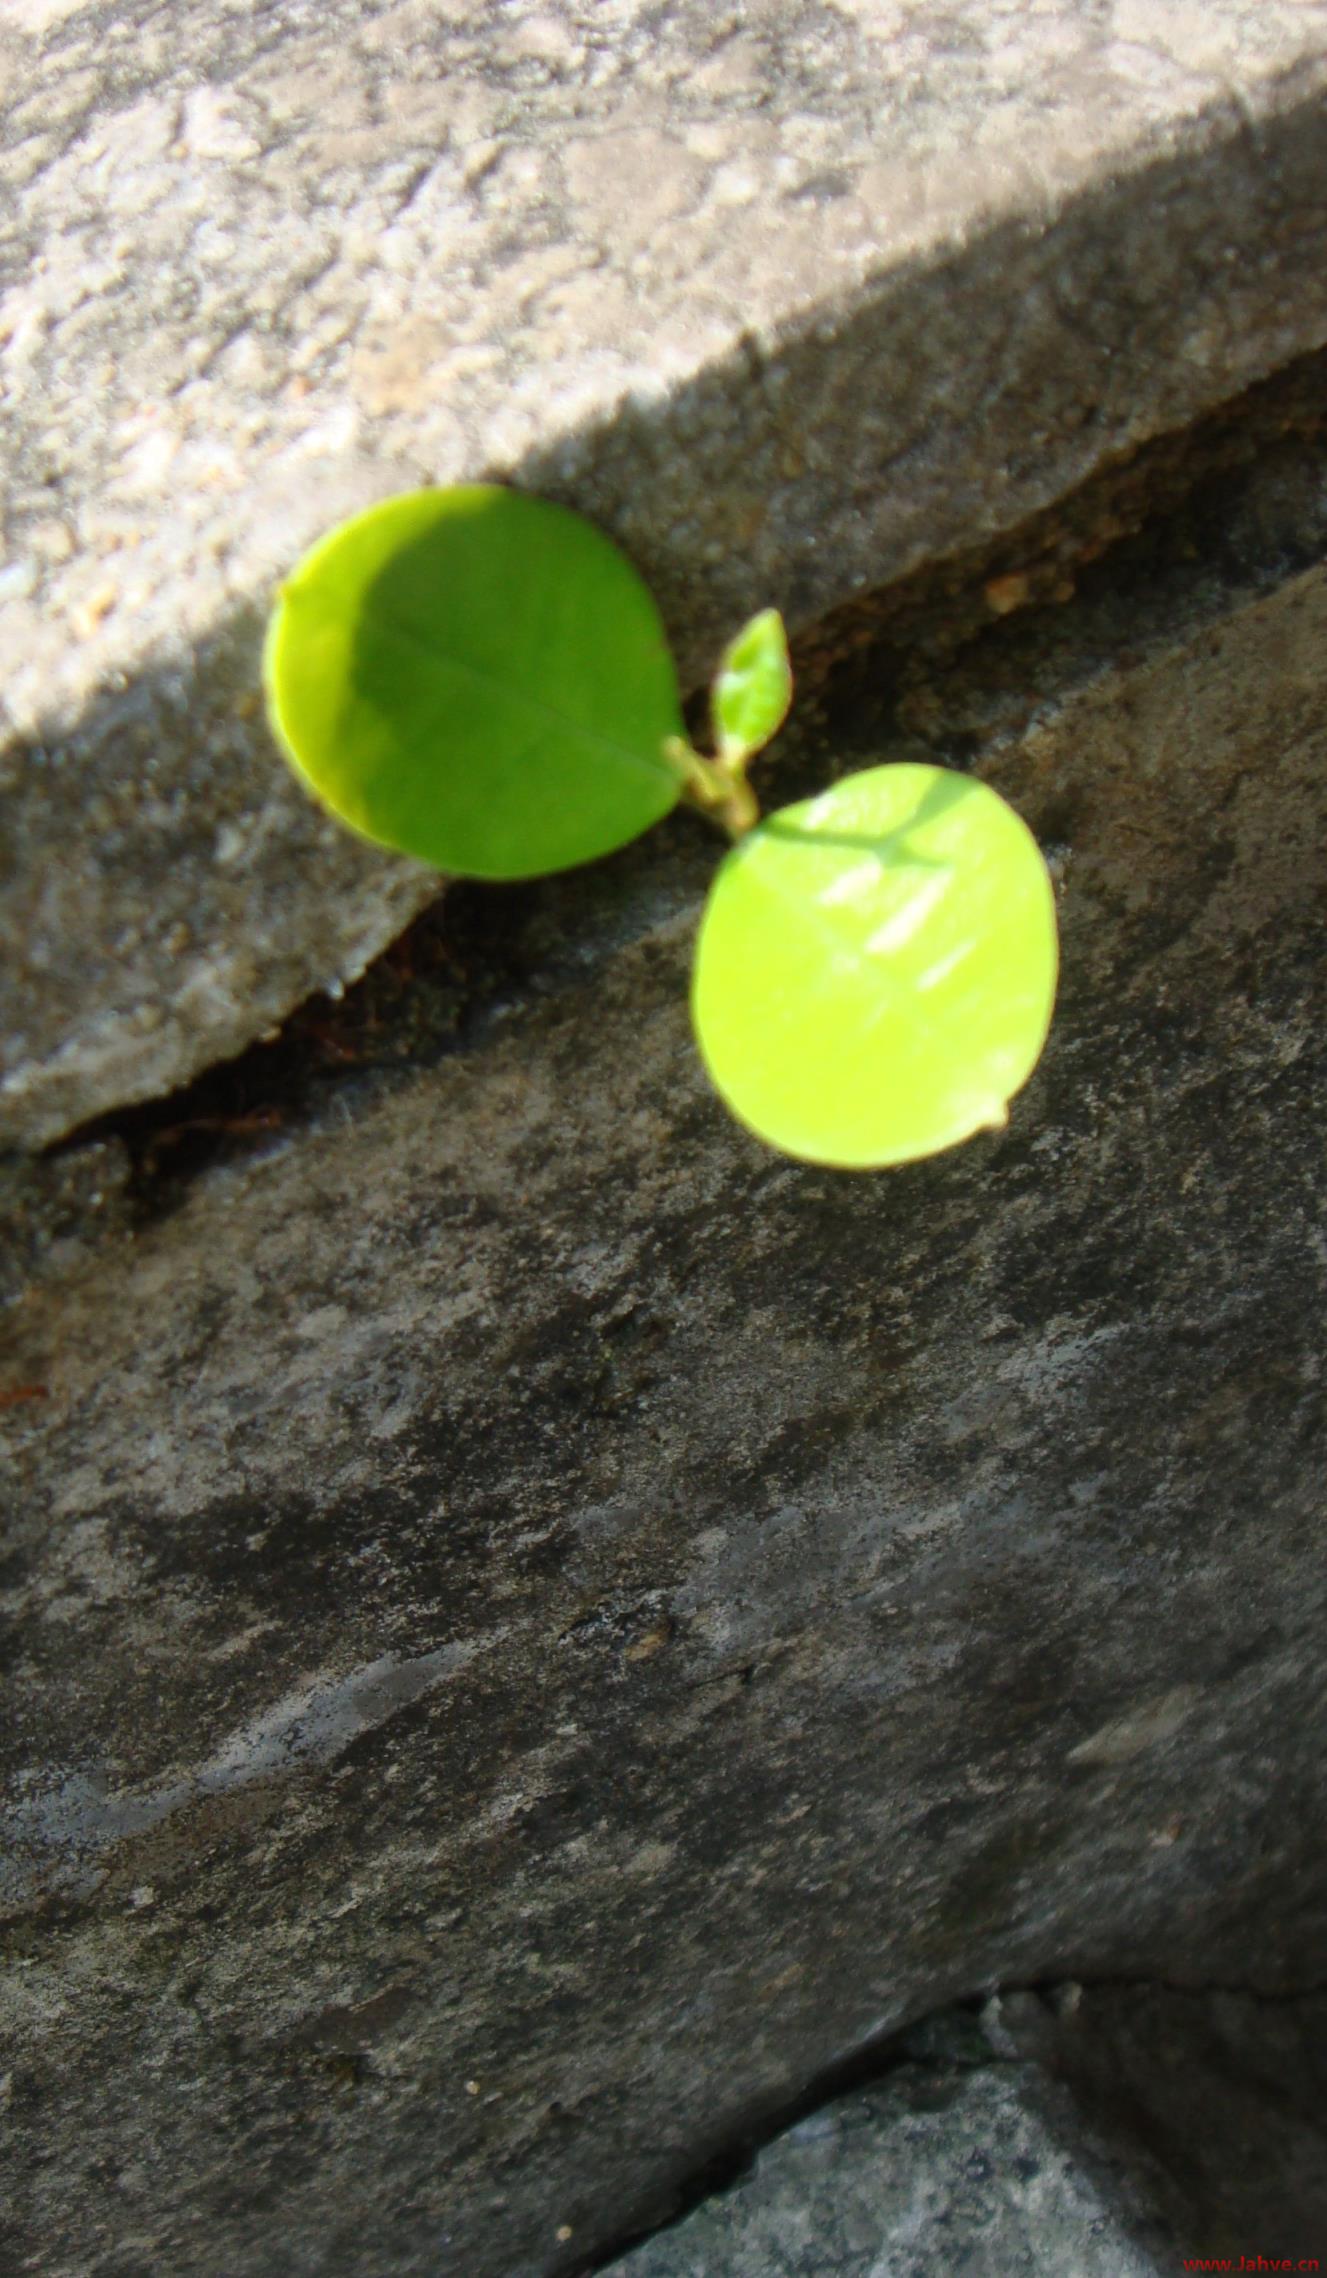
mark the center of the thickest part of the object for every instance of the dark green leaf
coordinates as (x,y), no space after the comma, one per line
(477,678)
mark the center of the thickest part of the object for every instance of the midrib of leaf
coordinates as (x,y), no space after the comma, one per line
(489,681)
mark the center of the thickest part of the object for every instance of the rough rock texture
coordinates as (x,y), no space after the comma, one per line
(1215,2102)
(956,2162)
(1107,2129)
(790,297)
(536,1626)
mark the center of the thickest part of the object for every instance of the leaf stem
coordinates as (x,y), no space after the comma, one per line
(717,788)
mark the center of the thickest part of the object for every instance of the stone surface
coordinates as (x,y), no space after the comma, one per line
(953,2164)
(790,298)
(1117,2129)
(1215,2101)
(535,1627)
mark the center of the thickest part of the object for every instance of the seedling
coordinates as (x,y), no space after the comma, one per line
(481,679)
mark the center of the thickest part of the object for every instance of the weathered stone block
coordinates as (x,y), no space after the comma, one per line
(1214,2101)
(1123,2129)
(536,1626)
(950,2163)
(789,300)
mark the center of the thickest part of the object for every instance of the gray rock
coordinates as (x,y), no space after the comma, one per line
(1217,2102)
(1112,2129)
(931,2175)
(535,1627)
(790,299)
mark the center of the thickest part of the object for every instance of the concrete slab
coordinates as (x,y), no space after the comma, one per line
(790,297)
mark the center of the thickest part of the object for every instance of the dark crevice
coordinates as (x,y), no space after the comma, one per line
(885,2055)
(1157,542)
(945,662)
(720,2170)
(419,1000)
(476,958)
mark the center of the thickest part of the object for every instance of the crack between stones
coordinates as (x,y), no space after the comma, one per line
(879,2060)
(1145,543)
(1315,1990)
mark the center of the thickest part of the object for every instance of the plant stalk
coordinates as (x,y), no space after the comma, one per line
(717,788)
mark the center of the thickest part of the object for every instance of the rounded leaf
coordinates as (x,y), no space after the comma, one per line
(876,968)
(477,678)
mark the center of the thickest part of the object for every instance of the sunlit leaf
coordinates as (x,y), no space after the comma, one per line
(753,687)
(477,678)
(876,968)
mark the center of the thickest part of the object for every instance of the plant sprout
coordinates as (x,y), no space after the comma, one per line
(482,680)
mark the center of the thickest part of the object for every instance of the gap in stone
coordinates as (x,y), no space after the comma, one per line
(946,660)
(867,2066)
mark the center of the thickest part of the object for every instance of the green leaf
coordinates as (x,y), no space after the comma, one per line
(876,968)
(753,688)
(477,678)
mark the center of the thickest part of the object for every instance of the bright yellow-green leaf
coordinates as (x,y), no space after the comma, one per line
(477,678)
(753,687)
(876,968)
